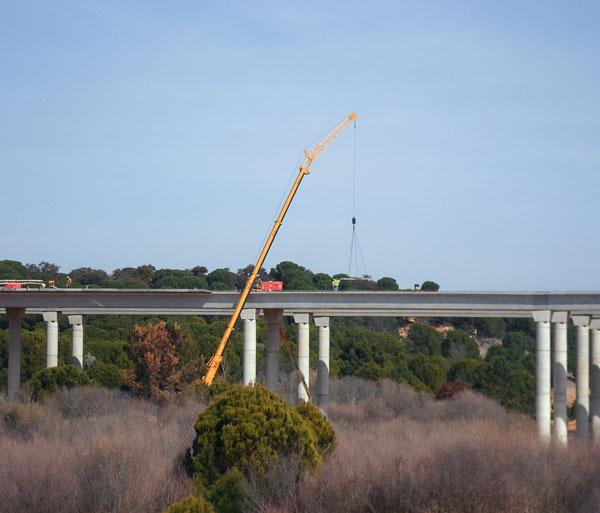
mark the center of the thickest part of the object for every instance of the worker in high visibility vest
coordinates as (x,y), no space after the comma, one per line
(336,284)
(69,281)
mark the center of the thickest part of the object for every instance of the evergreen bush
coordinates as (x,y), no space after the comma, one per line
(105,374)
(47,381)
(246,428)
(322,430)
(191,505)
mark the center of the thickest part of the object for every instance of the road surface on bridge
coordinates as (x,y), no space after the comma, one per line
(319,303)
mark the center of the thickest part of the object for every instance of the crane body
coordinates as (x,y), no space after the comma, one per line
(217,358)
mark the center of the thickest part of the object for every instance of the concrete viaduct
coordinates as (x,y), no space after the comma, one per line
(551,311)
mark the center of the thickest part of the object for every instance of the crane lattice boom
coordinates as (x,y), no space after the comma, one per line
(217,358)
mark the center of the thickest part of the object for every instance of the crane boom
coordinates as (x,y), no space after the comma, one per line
(217,358)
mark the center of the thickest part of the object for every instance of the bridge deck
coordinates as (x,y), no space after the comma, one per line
(375,304)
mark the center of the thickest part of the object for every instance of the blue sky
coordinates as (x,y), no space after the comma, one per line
(167,132)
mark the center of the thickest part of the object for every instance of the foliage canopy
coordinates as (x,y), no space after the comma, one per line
(248,427)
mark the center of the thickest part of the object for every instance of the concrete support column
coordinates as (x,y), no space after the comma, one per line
(301,321)
(15,316)
(273,319)
(582,408)
(559,320)
(595,380)
(77,323)
(542,382)
(249,358)
(323,365)
(51,319)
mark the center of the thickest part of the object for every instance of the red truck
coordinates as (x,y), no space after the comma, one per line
(271,285)
(267,286)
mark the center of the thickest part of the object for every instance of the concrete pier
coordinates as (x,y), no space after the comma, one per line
(543,396)
(249,356)
(15,316)
(51,319)
(595,380)
(76,322)
(582,408)
(559,321)
(582,307)
(273,318)
(322,324)
(301,321)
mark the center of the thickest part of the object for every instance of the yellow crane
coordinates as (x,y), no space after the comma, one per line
(217,358)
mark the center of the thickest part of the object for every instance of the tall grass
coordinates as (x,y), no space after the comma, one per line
(400,451)
(94,450)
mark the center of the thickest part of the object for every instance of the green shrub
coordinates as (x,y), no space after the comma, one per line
(490,327)
(324,433)
(422,338)
(207,393)
(191,505)
(516,345)
(12,270)
(514,387)
(293,276)
(221,279)
(430,370)
(47,381)
(469,370)
(430,286)
(228,495)
(247,428)
(387,283)
(177,279)
(322,281)
(459,344)
(105,374)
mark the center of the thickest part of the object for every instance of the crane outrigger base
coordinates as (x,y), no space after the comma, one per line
(217,358)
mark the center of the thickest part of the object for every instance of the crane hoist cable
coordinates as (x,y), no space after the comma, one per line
(355,251)
(217,358)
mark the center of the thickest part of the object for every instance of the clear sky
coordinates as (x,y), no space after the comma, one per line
(165,133)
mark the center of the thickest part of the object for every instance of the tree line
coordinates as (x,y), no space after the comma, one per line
(293,276)
(436,355)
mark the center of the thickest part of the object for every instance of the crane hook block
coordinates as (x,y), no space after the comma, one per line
(353,220)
